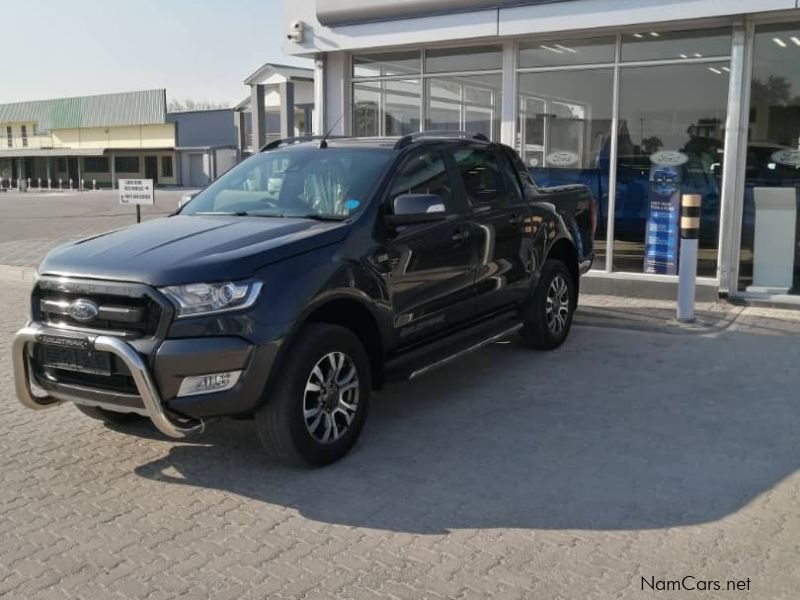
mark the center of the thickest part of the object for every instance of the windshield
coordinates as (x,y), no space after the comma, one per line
(309,182)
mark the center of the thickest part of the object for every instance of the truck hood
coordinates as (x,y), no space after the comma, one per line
(187,249)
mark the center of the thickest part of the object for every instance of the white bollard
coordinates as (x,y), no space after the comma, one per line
(82,186)
(39,183)
(60,185)
(28,187)
(70,184)
(687,269)
(94,184)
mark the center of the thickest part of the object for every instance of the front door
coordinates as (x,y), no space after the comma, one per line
(430,267)
(499,213)
(151,168)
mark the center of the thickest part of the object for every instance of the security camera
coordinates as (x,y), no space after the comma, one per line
(296,32)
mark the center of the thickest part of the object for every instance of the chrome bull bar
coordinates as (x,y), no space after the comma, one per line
(145,385)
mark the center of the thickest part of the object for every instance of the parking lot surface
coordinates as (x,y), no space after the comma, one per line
(646,452)
(35,222)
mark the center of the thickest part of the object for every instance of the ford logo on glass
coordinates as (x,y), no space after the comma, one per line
(83,310)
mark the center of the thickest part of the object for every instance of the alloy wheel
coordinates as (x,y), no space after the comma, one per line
(557,308)
(330,399)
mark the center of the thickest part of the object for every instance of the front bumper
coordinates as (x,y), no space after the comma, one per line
(169,424)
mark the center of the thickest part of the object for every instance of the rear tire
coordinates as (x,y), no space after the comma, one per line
(109,417)
(548,316)
(316,410)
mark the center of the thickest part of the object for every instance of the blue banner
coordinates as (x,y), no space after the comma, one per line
(663,221)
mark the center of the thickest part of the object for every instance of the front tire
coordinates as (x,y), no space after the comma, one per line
(316,410)
(548,316)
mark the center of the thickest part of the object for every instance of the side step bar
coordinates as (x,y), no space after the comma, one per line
(414,362)
(448,359)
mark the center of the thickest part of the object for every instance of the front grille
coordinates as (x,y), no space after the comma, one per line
(96,370)
(125,316)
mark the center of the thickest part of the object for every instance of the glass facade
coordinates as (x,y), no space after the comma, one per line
(640,117)
(677,111)
(564,132)
(770,254)
(443,95)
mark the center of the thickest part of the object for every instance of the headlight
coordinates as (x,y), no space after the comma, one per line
(195,299)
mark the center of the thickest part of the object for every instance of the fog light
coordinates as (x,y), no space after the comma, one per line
(205,384)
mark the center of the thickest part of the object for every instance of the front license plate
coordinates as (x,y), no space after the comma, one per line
(73,359)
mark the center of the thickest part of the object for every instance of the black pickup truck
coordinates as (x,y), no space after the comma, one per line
(301,280)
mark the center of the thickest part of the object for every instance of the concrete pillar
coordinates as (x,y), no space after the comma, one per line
(113,170)
(286,90)
(318,126)
(259,116)
(241,125)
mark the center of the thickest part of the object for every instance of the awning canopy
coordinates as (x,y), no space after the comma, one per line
(51,152)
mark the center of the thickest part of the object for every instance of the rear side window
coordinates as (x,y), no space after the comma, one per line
(482,175)
(424,173)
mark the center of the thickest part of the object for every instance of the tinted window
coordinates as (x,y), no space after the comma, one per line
(424,174)
(126,164)
(166,166)
(335,182)
(481,174)
(95,164)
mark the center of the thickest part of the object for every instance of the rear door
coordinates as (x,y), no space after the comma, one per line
(499,214)
(431,267)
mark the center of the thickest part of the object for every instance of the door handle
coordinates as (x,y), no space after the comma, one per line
(460,235)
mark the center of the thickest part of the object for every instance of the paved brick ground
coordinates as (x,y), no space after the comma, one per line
(654,451)
(34,223)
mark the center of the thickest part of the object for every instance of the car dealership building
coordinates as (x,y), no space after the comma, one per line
(644,101)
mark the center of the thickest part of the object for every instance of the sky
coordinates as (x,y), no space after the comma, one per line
(201,49)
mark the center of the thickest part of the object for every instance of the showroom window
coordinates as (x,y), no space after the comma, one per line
(770,242)
(665,139)
(457,89)
(564,128)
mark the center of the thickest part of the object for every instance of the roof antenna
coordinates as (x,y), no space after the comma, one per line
(323,143)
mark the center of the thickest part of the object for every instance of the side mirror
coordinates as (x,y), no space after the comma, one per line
(413,209)
(186,198)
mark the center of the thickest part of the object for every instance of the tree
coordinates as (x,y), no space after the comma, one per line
(188,105)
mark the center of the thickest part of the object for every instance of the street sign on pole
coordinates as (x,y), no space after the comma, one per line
(137,192)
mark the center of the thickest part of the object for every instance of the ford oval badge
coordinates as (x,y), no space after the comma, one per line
(83,310)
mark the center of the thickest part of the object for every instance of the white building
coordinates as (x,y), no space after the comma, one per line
(597,92)
(284,97)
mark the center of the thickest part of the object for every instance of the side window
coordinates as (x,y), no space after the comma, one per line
(482,175)
(423,173)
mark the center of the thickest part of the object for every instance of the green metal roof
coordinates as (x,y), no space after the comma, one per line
(147,107)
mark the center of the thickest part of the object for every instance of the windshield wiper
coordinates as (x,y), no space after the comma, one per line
(318,217)
(238,213)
